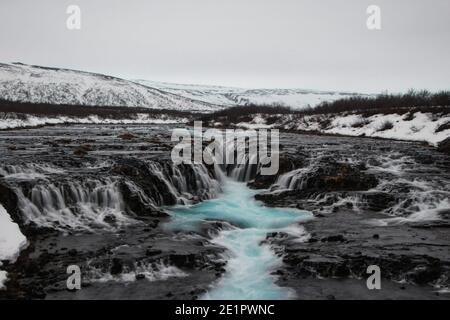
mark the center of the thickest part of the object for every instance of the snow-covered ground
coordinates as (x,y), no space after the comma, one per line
(417,127)
(229,96)
(3,278)
(11,120)
(422,127)
(34,84)
(11,242)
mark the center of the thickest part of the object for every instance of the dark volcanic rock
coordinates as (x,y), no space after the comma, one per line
(127,136)
(116,266)
(286,163)
(82,150)
(329,181)
(444,146)
(378,201)
(337,250)
(336,238)
(402,254)
(148,181)
(8,199)
(335,176)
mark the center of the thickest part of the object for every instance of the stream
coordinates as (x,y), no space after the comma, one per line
(249,267)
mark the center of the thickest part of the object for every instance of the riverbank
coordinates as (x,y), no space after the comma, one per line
(97,196)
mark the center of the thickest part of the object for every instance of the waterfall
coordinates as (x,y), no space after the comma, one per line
(50,197)
(186,182)
(29,171)
(237,157)
(74,204)
(58,198)
(293,180)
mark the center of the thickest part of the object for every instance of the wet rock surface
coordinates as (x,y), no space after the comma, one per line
(112,264)
(92,196)
(375,203)
(444,146)
(414,263)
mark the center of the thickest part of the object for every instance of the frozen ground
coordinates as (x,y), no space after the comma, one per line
(11,121)
(417,127)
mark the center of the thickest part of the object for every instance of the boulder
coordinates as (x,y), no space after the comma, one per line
(286,163)
(336,176)
(444,146)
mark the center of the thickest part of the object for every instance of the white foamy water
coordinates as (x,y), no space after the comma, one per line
(74,205)
(151,272)
(30,171)
(249,267)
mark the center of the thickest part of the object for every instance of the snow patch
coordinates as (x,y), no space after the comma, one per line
(418,127)
(422,127)
(25,121)
(11,242)
(11,239)
(3,278)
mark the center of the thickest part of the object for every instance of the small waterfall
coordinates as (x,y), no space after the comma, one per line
(292,180)
(238,156)
(158,170)
(52,197)
(186,182)
(49,197)
(424,201)
(29,171)
(74,205)
(12,241)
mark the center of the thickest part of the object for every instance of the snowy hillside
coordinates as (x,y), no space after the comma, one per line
(25,83)
(35,84)
(229,96)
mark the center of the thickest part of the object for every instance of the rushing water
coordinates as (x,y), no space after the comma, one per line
(249,263)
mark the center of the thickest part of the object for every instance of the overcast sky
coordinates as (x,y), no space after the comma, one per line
(318,44)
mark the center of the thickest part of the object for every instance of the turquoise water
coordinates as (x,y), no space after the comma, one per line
(249,263)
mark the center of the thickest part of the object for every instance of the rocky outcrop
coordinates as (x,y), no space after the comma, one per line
(134,258)
(330,176)
(287,163)
(344,246)
(140,173)
(444,146)
(327,182)
(8,199)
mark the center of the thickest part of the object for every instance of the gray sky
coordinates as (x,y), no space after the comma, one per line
(319,44)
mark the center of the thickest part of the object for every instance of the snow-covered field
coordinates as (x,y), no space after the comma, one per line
(34,84)
(11,242)
(11,120)
(422,127)
(417,127)
(230,96)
